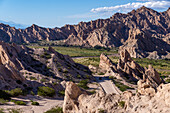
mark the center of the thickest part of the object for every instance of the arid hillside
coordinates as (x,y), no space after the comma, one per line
(144,32)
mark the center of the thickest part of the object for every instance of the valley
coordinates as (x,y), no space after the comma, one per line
(116,65)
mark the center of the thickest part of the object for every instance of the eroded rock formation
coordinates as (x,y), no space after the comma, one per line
(143,32)
(78,102)
(21,67)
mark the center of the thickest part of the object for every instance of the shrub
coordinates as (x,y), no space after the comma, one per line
(32,78)
(35,103)
(2,110)
(101,73)
(87,76)
(4,95)
(43,80)
(19,103)
(78,76)
(32,93)
(2,101)
(92,92)
(62,93)
(59,69)
(101,110)
(15,92)
(14,111)
(46,91)
(122,104)
(167,80)
(55,110)
(65,71)
(83,84)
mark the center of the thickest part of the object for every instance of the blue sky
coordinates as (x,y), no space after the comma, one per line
(56,13)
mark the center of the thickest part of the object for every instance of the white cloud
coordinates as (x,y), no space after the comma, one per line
(130,6)
(152,0)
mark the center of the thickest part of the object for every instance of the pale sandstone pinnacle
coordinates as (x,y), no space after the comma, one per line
(149,102)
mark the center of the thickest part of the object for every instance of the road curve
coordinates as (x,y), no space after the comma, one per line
(107,85)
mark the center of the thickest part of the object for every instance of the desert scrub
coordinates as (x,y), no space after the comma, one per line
(14,111)
(122,104)
(59,69)
(88,61)
(18,102)
(3,101)
(83,84)
(120,85)
(65,71)
(100,110)
(79,76)
(46,55)
(55,110)
(2,110)
(15,92)
(43,80)
(32,78)
(61,93)
(167,80)
(92,92)
(101,73)
(34,103)
(46,91)
(4,95)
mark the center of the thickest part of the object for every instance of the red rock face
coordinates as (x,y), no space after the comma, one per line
(147,30)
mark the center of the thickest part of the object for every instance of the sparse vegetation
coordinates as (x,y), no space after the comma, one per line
(32,78)
(46,91)
(87,61)
(35,103)
(15,111)
(62,92)
(43,80)
(65,71)
(2,110)
(18,102)
(3,101)
(79,51)
(167,80)
(55,110)
(83,84)
(120,85)
(92,92)
(101,110)
(101,73)
(15,92)
(4,95)
(122,104)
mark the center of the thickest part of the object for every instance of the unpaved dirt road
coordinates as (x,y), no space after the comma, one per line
(107,85)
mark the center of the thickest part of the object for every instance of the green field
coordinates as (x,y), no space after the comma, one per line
(78,51)
(161,65)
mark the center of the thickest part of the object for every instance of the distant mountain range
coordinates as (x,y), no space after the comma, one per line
(143,32)
(13,24)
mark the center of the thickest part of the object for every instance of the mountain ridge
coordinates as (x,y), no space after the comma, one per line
(115,31)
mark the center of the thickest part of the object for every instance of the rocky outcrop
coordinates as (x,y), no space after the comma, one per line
(128,67)
(143,32)
(106,63)
(22,67)
(151,80)
(77,102)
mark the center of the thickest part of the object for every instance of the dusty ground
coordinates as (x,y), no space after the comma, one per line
(45,104)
